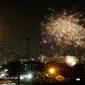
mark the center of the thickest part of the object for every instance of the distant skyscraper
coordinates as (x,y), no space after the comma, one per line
(11,56)
(1,44)
(1,51)
(1,40)
(25,47)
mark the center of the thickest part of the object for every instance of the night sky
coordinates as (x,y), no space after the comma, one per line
(22,18)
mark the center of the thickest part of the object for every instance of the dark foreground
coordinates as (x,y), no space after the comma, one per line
(58,83)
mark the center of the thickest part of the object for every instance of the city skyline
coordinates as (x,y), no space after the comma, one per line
(23,18)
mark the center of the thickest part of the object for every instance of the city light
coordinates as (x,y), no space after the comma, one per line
(52,70)
(77,79)
(22,77)
(60,78)
(2,75)
(6,70)
(29,76)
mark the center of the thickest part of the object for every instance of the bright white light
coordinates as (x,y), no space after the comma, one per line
(77,79)
(70,60)
(6,70)
(22,77)
(2,75)
(0,66)
(29,76)
(25,75)
(32,59)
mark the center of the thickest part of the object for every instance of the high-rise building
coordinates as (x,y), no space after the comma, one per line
(1,45)
(2,59)
(25,47)
(11,56)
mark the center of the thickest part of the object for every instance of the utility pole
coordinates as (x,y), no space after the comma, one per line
(18,75)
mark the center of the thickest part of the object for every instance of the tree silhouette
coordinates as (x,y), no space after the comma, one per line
(13,68)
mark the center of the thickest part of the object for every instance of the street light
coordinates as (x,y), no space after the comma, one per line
(21,77)
(5,70)
(52,71)
(77,79)
(29,76)
(2,75)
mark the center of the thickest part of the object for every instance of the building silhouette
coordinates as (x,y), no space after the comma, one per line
(2,58)
(25,48)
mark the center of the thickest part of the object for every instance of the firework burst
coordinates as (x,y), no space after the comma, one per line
(71,60)
(64,28)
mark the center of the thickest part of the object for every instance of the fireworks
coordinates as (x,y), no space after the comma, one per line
(64,28)
(43,41)
(71,60)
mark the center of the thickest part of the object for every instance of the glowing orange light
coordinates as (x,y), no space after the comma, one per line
(52,70)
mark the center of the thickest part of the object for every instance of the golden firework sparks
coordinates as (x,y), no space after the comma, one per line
(65,29)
